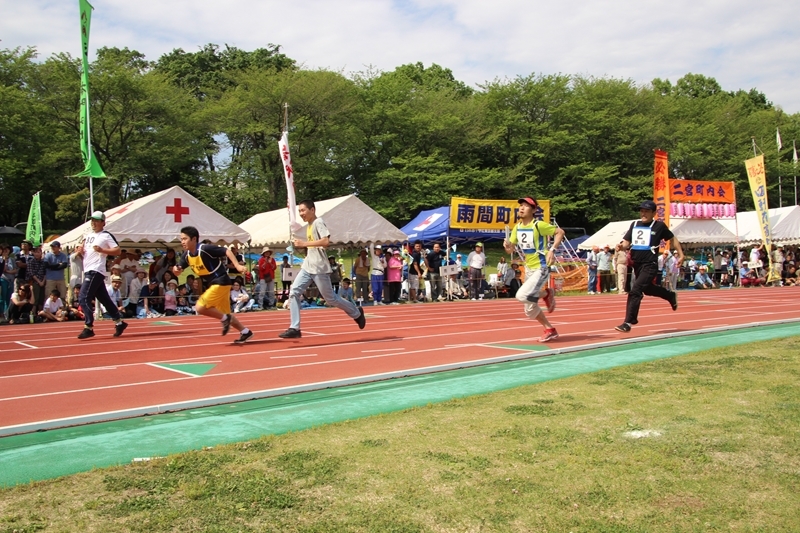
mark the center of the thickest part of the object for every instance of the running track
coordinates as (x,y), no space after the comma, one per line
(48,378)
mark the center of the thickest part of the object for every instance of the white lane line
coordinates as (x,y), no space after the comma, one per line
(293,356)
(314,333)
(27,345)
(162,367)
(384,350)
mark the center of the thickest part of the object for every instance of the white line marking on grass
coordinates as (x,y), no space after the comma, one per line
(27,345)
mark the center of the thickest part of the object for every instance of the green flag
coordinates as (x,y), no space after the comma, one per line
(92,167)
(34,232)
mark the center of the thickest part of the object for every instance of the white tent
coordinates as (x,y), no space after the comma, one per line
(688,231)
(784,222)
(159,218)
(611,234)
(349,220)
(703,230)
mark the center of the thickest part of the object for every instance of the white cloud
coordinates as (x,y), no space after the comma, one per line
(738,43)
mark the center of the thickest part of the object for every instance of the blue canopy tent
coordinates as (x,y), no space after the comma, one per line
(434,225)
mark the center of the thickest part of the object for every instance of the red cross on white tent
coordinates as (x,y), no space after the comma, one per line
(177,210)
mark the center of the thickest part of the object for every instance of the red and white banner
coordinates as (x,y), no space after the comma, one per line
(288,172)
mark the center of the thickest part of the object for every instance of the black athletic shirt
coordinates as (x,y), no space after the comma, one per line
(206,264)
(645,240)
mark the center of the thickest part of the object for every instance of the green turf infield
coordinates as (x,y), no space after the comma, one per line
(705,441)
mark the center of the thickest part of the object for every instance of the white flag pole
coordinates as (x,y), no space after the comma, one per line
(794,164)
(780,145)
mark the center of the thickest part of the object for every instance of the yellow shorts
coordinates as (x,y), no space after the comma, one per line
(218,297)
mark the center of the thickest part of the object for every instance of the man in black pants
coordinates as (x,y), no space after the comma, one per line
(643,238)
(97,245)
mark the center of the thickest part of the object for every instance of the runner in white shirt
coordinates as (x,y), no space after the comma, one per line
(315,268)
(97,245)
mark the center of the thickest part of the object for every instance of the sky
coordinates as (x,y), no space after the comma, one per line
(742,44)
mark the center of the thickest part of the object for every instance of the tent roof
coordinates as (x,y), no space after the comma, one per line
(349,220)
(159,217)
(610,234)
(429,225)
(433,225)
(785,223)
(688,231)
(703,231)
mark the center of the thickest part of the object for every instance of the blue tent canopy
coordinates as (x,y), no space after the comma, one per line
(434,225)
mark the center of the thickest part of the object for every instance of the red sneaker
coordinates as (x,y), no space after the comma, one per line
(549,335)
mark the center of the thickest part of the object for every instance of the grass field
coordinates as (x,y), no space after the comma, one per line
(705,442)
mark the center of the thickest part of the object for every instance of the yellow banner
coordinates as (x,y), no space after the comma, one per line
(472,214)
(702,192)
(660,188)
(757,174)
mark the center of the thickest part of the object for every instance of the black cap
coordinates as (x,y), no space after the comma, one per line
(648,204)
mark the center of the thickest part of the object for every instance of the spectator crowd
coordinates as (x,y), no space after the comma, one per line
(41,284)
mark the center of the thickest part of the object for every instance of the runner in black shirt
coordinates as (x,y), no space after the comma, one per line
(206,263)
(643,238)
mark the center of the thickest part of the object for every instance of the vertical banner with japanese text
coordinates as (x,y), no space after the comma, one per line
(661,190)
(491,216)
(661,186)
(288,173)
(757,175)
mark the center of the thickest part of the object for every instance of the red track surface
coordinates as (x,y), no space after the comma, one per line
(49,378)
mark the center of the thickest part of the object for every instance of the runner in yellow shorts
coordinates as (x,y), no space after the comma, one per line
(206,262)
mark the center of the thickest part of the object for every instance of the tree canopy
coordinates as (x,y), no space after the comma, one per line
(403,140)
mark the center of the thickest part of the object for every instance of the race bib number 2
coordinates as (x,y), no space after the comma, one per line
(641,237)
(525,239)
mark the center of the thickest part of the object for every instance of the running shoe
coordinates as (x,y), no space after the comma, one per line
(86,333)
(361,320)
(549,335)
(550,299)
(244,336)
(119,328)
(226,324)
(624,327)
(673,300)
(291,333)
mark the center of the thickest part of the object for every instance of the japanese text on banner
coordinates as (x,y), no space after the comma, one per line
(757,175)
(472,214)
(702,192)
(660,191)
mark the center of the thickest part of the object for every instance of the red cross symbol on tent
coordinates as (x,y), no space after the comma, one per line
(177,210)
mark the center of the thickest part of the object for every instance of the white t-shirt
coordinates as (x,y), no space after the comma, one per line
(476,260)
(93,260)
(127,263)
(50,305)
(316,262)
